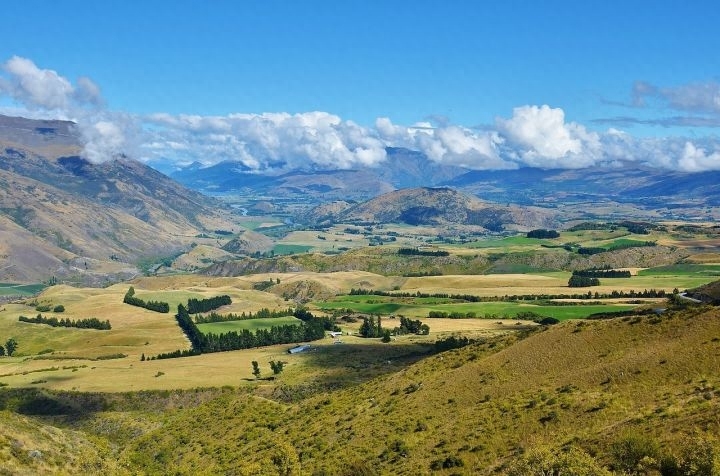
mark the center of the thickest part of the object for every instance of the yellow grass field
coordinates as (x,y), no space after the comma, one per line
(93,360)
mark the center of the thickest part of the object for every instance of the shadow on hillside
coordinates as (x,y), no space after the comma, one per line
(342,365)
(46,403)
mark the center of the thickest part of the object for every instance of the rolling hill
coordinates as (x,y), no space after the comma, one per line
(635,395)
(440,206)
(634,187)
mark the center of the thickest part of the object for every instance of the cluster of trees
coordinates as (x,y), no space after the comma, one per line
(590,250)
(418,294)
(209,304)
(276,367)
(263,285)
(542,233)
(577,281)
(602,273)
(11,346)
(157,306)
(245,339)
(418,252)
(370,327)
(172,355)
(637,227)
(647,293)
(49,307)
(451,315)
(452,342)
(373,328)
(90,323)
(422,274)
(618,246)
(263,313)
(409,326)
(311,328)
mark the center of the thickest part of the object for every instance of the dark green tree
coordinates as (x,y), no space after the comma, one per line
(386,336)
(2,351)
(256,369)
(277,367)
(11,346)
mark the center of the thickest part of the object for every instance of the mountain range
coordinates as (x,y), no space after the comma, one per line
(636,189)
(62,216)
(437,206)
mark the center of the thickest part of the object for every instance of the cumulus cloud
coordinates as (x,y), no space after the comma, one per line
(539,136)
(271,140)
(36,87)
(696,159)
(46,94)
(533,135)
(448,144)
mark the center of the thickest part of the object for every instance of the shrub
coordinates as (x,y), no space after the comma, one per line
(699,456)
(546,461)
(633,451)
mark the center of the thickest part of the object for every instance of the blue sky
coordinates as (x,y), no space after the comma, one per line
(473,83)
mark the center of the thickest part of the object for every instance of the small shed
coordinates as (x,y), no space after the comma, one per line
(298,348)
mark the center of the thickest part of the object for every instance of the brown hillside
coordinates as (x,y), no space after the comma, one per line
(586,384)
(440,206)
(61,210)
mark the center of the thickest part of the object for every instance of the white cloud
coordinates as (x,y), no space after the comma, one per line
(103,139)
(36,87)
(272,140)
(541,138)
(537,136)
(43,93)
(452,145)
(695,159)
(698,97)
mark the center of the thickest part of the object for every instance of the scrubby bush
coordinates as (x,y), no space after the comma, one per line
(549,461)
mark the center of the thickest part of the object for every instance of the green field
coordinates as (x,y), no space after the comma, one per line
(683,269)
(11,289)
(421,307)
(249,324)
(623,243)
(285,249)
(506,242)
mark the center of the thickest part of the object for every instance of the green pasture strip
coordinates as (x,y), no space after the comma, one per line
(509,241)
(13,289)
(249,324)
(173,298)
(516,268)
(492,310)
(683,269)
(624,242)
(252,225)
(288,249)
(586,235)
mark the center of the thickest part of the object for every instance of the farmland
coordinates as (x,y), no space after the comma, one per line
(572,371)
(249,324)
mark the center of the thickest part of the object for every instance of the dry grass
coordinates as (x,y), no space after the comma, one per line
(69,356)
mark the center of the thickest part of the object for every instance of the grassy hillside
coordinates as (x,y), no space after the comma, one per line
(589,387)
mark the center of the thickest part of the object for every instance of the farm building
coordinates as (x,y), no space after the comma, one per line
(299,348)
